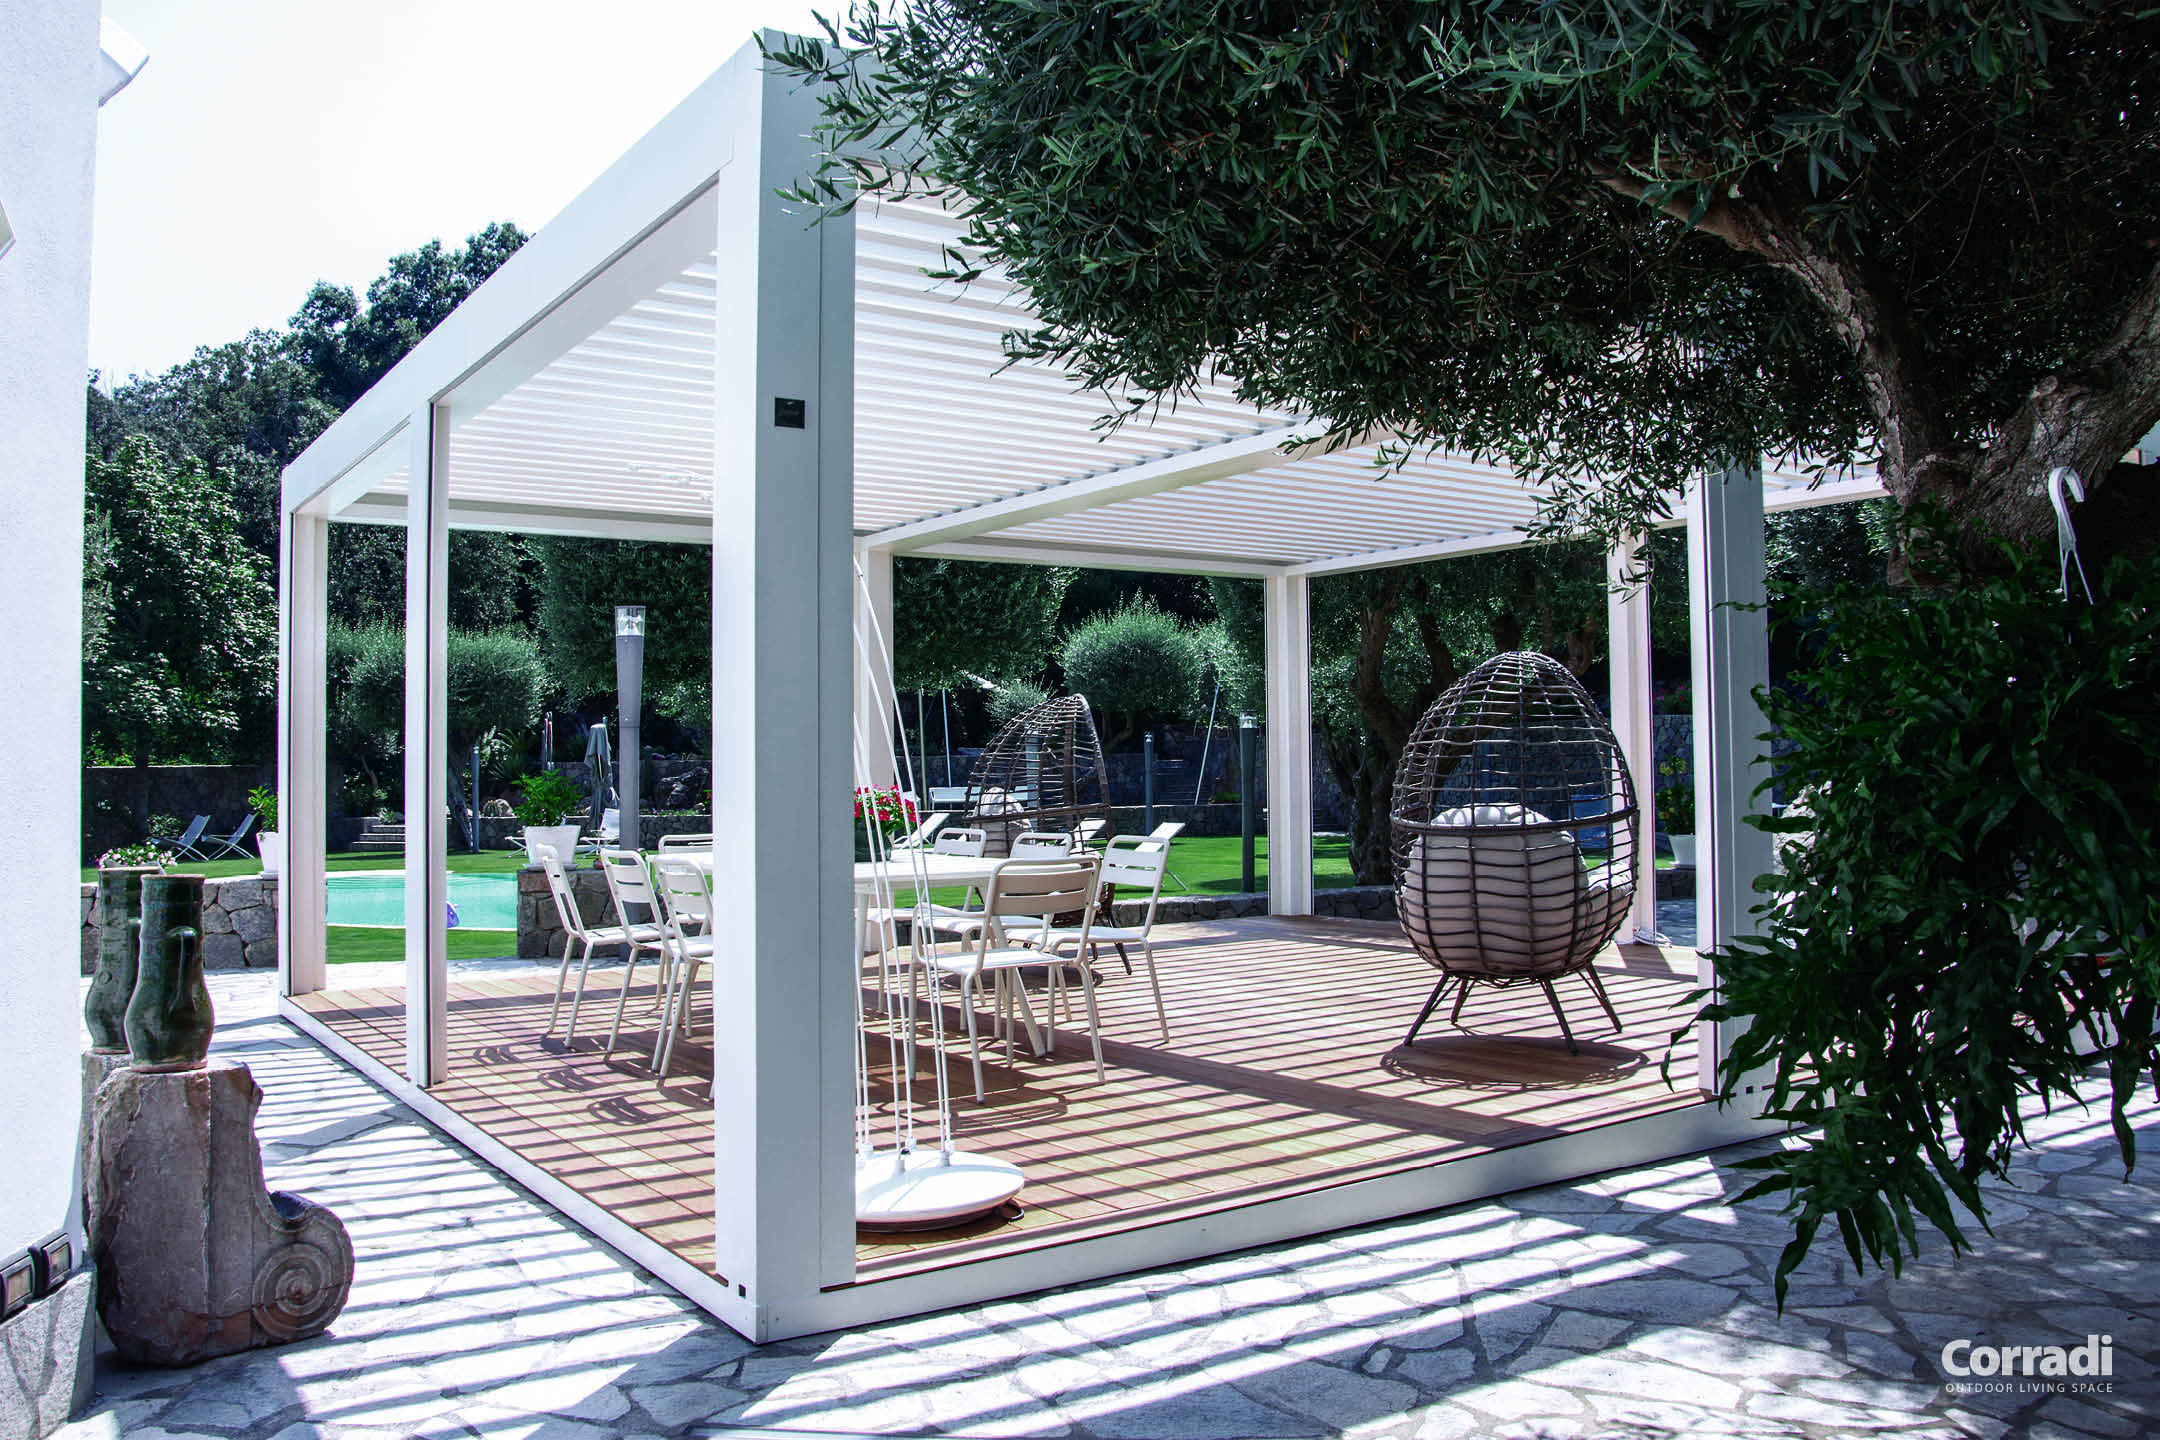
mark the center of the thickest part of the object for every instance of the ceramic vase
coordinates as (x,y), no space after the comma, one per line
(169,1017)
(112,985)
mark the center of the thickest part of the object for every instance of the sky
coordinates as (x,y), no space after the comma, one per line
(272,143)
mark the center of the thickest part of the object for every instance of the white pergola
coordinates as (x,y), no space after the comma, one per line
(621,377)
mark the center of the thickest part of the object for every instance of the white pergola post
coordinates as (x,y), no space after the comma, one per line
(303,806)
(1731,659)
(1289,744)
(427,746)
(875,702)
(1627,615)
(783,599)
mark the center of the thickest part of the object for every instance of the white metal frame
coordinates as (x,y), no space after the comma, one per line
(619,377)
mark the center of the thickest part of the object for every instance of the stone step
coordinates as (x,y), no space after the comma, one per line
(375,845)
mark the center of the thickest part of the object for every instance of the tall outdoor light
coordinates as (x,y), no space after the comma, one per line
(1247,734)
(629,701)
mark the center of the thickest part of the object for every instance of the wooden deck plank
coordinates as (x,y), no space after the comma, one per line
(1284,1072)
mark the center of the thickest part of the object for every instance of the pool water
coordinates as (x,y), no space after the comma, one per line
(377,899)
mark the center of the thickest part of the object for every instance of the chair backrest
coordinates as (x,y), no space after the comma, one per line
(240,831)
(629,885)
(1507,901)
(1139,861)
(960,840)
(1042,845)
(194,830)
(948,797)
(1168,830)
(685,842)
(682,893)
(610,824)
(566,910)
(1044,888)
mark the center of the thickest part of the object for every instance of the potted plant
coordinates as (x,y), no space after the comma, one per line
(890,811)
(268,842)
(1676,810)
(543,807)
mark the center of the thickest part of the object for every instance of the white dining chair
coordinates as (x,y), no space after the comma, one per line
(1021,890)
(584,939)
(1138,861)
(631,888)
(686,906)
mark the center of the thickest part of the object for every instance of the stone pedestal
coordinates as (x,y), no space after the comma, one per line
(45,1361)
(194,1257)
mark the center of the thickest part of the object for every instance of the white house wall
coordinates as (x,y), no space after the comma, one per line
(48,143)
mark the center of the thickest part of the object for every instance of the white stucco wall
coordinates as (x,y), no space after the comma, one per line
(48,141)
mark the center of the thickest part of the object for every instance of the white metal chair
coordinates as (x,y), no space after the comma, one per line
(685,842)
(686,906)
(630,887)
(1021,890)
(1139,861)
(585,939)
(608,835)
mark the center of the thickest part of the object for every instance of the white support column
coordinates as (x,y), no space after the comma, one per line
(427,747)
(783,674)
(1627,616)
(1731,660)
(1289,745)
(303,802)
(873,689)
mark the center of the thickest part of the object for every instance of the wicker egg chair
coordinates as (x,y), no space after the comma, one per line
(1514,828)
(1043,771)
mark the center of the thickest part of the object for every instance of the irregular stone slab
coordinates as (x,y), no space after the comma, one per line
(45,1360)
(195,1258)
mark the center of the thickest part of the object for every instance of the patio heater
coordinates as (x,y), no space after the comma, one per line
(629,700)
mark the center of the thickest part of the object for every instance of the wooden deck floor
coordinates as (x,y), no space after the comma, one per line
(1285,1072)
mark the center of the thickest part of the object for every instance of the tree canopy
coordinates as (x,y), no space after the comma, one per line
(1606,244)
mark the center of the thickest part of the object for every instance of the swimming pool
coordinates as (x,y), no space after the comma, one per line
(376,899)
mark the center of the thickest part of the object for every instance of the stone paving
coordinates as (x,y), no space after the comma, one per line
(1635,1305)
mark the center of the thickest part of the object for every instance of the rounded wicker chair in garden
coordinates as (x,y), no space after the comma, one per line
(1043,772)
(1514,829)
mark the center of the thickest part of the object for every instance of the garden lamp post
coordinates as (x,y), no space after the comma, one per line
(1247,733)
(629,701)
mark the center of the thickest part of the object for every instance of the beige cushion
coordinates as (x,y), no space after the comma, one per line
(1503,903)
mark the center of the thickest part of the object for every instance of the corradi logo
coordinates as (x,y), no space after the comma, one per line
(2086,1367)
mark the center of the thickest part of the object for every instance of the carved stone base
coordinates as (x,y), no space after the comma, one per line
(45,1361)
(194,1257)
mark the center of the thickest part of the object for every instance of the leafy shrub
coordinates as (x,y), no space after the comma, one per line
(262,800)
(1137,665)
(1012,698)
(546,799)
(1979,898)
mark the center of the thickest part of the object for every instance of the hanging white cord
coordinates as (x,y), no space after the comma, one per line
(1206,736)
(871,648)
(2062,478)
(881,900)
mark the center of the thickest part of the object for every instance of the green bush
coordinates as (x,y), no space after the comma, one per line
(1013,698)
(1979,897)
(545,799)
(1137,666)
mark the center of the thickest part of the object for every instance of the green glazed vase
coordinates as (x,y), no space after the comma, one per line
(119,899)
(169,1017)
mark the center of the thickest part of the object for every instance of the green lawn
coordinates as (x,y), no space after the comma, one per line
(353,943)
(488,862)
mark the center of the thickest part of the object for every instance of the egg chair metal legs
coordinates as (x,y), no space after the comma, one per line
(1552,997)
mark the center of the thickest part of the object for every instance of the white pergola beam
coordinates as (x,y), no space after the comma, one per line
(1726,565)
(1413,554)
(875,707)
(427,749)
(1167,562)
(783,599)
(528,519)
(1627,619)
(303,783)
(1288,619)
(1238,456)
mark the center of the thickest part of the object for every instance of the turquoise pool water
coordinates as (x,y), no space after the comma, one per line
(377,899)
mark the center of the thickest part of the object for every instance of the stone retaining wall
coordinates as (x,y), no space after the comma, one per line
(239,924)
(540,934)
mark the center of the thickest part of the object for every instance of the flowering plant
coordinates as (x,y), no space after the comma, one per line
(891,811)
(142,852)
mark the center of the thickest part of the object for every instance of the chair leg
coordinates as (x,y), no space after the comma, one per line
(1425,1014)
(1455,1015)
(584,968)
(1027,1016)
(968,995)
(562,978)
(1590,973)
(622,998)
(1154,980)
(1087,992)
(1119,945)
(1554,999)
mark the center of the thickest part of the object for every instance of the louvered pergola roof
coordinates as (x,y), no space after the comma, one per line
(579,385)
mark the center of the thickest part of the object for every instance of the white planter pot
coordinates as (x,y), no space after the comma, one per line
(271,846)
(1683,851)
(562,839)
